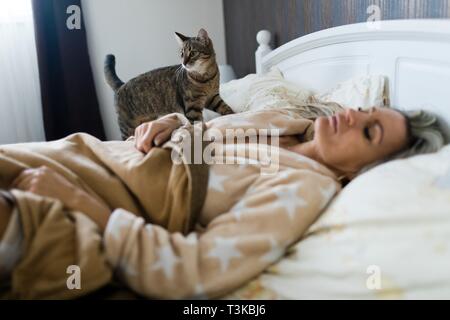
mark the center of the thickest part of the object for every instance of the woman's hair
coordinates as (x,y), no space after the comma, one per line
(314,109)
(424,133)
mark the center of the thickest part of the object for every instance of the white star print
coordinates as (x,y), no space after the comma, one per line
(117,226)
(326,193)
(285,174)
(225,250)
(238,208)
(149,229)
(166,261)
(216,181)
(275,252)
(289,200)
(192,239)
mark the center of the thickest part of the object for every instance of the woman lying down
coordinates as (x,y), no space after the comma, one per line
(77,213)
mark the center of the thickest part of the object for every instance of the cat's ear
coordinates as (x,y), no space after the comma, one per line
(180,38)
(203,34)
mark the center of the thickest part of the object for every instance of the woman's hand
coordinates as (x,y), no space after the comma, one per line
(155,133)
(46,182)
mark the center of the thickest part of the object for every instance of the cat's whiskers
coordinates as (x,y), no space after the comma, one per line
(179,72)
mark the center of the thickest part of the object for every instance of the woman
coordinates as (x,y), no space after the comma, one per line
(247,220)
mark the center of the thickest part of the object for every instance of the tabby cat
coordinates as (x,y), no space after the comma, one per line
(186,88)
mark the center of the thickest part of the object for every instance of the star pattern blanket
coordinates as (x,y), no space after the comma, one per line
(247,223)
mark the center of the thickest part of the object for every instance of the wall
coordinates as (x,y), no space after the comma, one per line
(140,34)
(290,19)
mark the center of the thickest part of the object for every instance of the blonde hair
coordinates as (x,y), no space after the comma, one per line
(313,109)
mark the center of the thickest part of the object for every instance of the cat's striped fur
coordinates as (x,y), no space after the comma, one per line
(186,88)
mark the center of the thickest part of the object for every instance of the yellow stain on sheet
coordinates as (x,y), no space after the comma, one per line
(440,248)
(389,291)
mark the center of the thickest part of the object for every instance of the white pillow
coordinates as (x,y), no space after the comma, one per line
(236,93)
(209,115)
(358,92)
(392,222)
(257,92)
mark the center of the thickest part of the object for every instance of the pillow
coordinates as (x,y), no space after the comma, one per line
(386,236)
(236,93)
(358,92)
(258,92)
(209,115)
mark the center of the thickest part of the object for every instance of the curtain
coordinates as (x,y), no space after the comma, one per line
(69,98)
(20,99)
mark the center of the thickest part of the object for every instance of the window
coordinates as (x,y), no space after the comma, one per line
(13,11)
(20,98)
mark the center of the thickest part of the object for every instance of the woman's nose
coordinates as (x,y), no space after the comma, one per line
(350,116)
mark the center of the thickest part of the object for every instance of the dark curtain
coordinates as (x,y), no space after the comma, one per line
(68,92)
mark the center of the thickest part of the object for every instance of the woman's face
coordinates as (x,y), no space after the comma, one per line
(353,139)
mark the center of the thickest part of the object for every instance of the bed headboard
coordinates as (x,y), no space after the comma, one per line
(414,55)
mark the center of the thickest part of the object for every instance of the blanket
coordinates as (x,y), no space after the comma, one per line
(56,238)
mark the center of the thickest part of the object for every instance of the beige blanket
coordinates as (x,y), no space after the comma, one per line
(247,223)
(55,238)
(250,218)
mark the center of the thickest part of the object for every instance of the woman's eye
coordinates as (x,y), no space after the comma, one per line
(367,134)
(362,110)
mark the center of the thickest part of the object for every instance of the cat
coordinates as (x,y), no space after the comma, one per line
(187,88)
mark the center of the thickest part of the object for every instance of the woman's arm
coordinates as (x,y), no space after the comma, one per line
(49,183)
(236,246)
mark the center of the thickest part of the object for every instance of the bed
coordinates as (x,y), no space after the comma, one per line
(387,235)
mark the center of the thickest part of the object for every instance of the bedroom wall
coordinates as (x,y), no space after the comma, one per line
(140,34)
(290,19)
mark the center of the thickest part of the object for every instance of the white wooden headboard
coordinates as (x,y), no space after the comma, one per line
(414,55)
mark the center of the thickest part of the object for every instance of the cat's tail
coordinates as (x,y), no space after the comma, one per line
(110,73)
